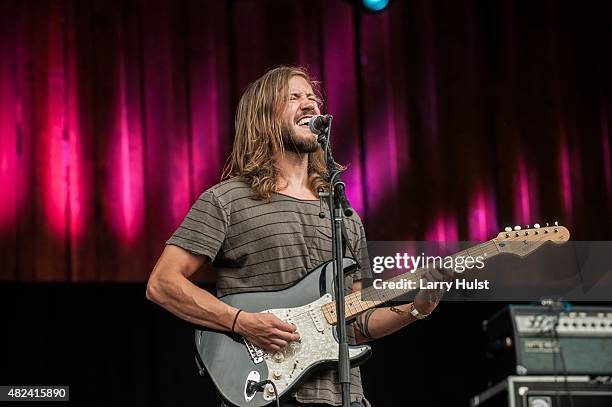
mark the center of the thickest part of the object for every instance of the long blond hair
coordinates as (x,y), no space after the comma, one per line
(258,135)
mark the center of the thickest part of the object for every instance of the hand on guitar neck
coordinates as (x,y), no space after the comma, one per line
(266,330)
(426,300)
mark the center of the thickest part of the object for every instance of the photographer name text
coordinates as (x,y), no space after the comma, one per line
(423,284)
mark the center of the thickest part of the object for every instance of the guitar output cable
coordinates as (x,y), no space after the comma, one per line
(253,387)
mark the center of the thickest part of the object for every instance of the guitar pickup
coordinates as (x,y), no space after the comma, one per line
(317,320)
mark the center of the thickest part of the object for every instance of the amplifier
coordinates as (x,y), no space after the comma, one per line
(546,391)
(528,340)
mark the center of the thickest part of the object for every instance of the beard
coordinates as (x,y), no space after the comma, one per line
(294,143)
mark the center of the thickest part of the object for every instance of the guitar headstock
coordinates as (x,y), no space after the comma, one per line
(524,241)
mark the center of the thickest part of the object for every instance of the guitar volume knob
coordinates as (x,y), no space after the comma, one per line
(278,357)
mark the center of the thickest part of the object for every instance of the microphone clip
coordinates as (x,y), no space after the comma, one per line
(322,194)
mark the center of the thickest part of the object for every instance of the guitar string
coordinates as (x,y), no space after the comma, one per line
(484,248)
(416,274)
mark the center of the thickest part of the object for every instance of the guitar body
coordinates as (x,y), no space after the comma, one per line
(231,361)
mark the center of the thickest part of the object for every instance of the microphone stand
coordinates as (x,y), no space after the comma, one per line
(338,206)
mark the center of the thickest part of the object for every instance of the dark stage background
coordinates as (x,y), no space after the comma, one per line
(456,118)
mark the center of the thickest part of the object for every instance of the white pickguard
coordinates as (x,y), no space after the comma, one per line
(316,344)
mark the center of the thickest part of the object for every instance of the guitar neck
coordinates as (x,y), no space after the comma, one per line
(370,297)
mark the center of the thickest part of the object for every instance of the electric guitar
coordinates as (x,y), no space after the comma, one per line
(234,364)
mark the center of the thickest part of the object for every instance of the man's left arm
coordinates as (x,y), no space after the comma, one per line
(378,322)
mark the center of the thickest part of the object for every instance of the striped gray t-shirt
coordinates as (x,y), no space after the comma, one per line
(269,245)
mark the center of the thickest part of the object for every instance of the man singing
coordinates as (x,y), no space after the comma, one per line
(261,228)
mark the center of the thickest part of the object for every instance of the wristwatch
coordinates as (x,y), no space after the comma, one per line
(415,312)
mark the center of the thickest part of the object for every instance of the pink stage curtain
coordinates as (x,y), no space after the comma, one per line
(456,118)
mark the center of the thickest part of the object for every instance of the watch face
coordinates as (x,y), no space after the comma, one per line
(415,313)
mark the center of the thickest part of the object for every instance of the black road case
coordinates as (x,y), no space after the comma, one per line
(547,391)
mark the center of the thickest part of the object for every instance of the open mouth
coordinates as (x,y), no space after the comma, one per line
(303,121)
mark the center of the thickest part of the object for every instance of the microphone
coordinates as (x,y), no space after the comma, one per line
(318,124)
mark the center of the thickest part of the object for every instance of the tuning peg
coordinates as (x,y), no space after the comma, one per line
(546,224)
(517,227)
(527,227)
(556,223)
(508,229)
(536,225)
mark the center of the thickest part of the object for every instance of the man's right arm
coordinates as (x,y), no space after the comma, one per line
(169,286)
